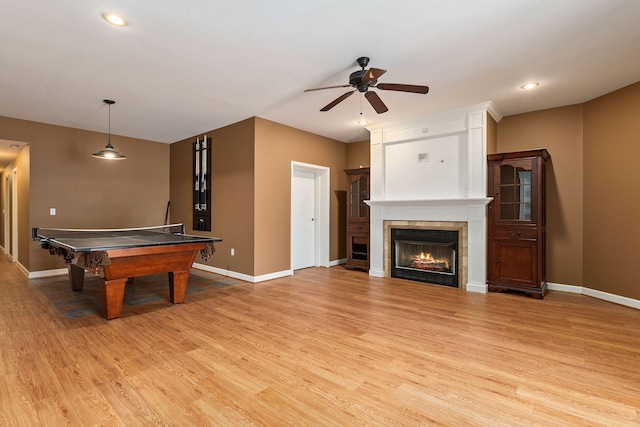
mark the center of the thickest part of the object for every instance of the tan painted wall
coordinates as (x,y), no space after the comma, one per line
(559,130)
(612,192)
(232,197)
(359,155)
(276,147)
(251,192)
(492,135)
(60,173)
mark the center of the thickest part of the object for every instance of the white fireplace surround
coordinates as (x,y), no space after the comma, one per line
(433,169)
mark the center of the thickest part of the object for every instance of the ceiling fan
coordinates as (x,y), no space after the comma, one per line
(363,80)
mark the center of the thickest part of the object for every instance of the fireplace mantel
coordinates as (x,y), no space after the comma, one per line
(483,201)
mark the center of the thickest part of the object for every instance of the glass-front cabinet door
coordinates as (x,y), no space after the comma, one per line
(359,193)
(514,192)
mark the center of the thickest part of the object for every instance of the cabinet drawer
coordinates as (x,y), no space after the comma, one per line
(359,227)
(506,232)
(359,240)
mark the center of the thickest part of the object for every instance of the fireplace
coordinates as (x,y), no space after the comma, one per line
(425,255)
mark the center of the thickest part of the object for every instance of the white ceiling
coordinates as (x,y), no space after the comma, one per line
(185,67)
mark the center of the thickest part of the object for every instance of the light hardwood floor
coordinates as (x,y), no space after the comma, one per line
(323,347)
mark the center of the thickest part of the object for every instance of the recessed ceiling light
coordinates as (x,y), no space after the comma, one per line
(528,86)
(115,19)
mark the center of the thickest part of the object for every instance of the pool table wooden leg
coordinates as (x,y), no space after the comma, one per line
(112,294)
(178,285)
(76,277)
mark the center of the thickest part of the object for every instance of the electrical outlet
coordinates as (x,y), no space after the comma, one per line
(233,252)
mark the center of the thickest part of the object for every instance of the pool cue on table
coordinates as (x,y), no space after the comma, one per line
(166,215)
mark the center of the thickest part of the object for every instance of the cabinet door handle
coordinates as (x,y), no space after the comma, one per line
(511,233)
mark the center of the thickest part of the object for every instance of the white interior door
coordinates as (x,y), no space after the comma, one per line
(303,220)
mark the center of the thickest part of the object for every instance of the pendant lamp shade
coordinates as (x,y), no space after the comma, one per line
(109,153)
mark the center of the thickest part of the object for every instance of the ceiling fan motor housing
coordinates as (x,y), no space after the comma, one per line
(355,80)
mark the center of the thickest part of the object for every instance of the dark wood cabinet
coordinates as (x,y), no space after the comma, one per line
(357,219)
(516,219)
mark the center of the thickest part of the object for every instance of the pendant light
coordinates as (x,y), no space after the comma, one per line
(109,153)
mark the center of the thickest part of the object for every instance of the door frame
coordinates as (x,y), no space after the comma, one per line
(7,212)
(11,215)
(322,223)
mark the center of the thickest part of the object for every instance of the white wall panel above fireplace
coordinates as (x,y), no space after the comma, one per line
(425,130)
(442,155)
(427,168)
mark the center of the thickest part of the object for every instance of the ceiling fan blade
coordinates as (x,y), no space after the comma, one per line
(327,87)
(403,88)
(373,74)
(337,101)
(376,102)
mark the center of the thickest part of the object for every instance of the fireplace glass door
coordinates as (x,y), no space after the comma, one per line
(421,256)
(425,255)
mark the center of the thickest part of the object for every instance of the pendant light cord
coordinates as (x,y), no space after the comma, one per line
(109,137)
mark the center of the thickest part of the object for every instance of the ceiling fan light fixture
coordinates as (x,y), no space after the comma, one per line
(114,19)
(530,85)
(108,152)
(362,121)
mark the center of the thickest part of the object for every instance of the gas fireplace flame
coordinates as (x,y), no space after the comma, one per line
(426,261)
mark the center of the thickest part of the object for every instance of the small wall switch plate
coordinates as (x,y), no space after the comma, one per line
(52,211)
(233,252)
(423,157)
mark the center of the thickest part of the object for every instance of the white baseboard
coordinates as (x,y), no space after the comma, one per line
(477,287)
(594,293)
(45,273)
(376,273)
(337,262)
(22,269)
(564,288)
(241,276)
